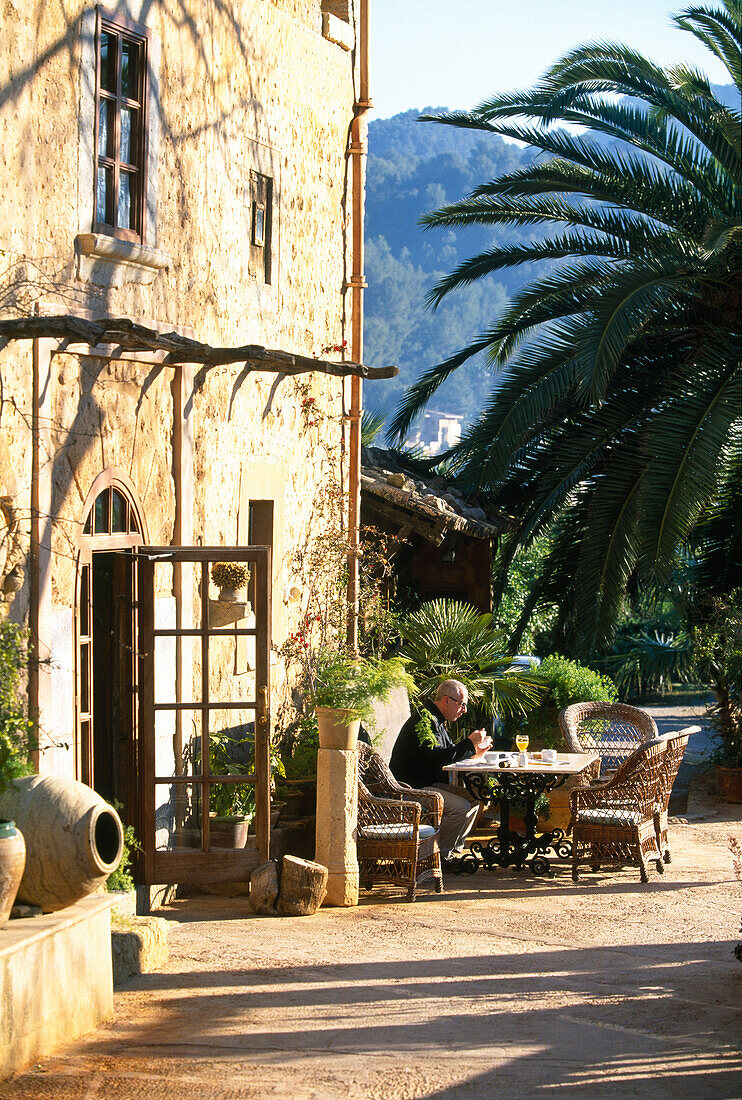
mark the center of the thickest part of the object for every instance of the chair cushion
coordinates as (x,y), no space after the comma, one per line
(394,832)
(610,816)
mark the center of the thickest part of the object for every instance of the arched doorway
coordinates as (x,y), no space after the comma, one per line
(105,697)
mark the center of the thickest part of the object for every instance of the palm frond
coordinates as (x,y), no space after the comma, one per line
(617,415)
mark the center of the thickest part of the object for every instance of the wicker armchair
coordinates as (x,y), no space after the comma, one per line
(397,835)
(676,745)
(613,730)
(613,822)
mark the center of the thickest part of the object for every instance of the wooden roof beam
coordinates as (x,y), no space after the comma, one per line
(129,336)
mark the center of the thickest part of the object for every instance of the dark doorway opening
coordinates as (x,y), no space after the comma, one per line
(112,653)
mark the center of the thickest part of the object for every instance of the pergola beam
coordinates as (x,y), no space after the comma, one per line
(174,348)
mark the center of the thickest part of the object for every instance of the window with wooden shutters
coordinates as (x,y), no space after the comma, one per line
(121,127)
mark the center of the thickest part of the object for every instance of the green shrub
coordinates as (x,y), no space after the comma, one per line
(565,682)
(16,739)
(121,878)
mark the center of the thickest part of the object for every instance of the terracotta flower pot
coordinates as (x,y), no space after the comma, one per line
(228,832)
(12,862)
(729,781)
(337,729)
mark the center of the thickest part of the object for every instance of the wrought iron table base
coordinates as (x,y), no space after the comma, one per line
(506,848)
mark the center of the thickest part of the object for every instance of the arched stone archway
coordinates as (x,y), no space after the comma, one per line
(112,523)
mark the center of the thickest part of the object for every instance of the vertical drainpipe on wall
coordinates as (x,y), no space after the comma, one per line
(357,151)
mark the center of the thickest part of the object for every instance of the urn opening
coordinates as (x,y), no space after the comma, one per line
(109,841)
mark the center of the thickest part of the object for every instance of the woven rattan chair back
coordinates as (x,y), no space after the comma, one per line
(673,758)
(375,773)
(613,730)
(397,835)
(676,745)
(614,821)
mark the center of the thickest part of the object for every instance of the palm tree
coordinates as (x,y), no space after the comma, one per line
(616,421)
(449,639)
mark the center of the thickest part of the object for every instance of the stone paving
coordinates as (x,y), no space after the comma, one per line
(504,986)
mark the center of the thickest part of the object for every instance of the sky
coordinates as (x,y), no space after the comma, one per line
(455,53)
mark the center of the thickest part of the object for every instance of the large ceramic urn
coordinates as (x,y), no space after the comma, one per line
(12,861)
(74,839)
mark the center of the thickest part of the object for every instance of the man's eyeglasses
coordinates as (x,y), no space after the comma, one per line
(458,702)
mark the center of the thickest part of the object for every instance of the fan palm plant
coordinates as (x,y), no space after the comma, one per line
(616,421)
(446,639)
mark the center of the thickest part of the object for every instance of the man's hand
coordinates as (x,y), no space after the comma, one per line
(481,741)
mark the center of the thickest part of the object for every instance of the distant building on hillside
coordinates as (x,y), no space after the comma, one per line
(439,430)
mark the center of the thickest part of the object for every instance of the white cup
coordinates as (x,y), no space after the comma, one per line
(522,760)
(549,756)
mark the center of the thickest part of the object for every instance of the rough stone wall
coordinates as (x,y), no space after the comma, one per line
(108,413)
(247,85)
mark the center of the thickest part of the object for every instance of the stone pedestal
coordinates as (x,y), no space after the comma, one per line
(337,813)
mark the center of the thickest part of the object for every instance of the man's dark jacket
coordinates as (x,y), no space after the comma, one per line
(421,765)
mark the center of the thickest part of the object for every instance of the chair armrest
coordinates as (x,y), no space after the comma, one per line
(431,804)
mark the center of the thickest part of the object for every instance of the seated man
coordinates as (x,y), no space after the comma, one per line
(422,750)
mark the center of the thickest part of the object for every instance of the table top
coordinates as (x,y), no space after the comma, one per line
(566,763)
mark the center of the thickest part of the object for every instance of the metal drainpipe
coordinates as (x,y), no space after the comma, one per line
(357,151)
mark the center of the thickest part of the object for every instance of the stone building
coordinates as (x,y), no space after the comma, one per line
(192,172)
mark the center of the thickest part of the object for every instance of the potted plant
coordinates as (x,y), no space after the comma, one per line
(343,689)
(338,685)
(230,577)
(15,745)
(231,805)
(717,650)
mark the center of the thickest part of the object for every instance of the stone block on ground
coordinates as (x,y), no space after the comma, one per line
(138,946)
(303,887)
(264,889)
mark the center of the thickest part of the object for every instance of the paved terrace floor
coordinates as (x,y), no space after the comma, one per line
(504,986)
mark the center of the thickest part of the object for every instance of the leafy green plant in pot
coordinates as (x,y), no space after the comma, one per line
(231,805)
(15,748)
(343,689)
(331,677)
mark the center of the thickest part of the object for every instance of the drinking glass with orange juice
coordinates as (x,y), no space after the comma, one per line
(521,741)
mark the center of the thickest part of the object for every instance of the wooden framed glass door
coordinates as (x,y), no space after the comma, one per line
(203,735)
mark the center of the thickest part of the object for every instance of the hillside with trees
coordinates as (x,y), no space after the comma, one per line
(413,168)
